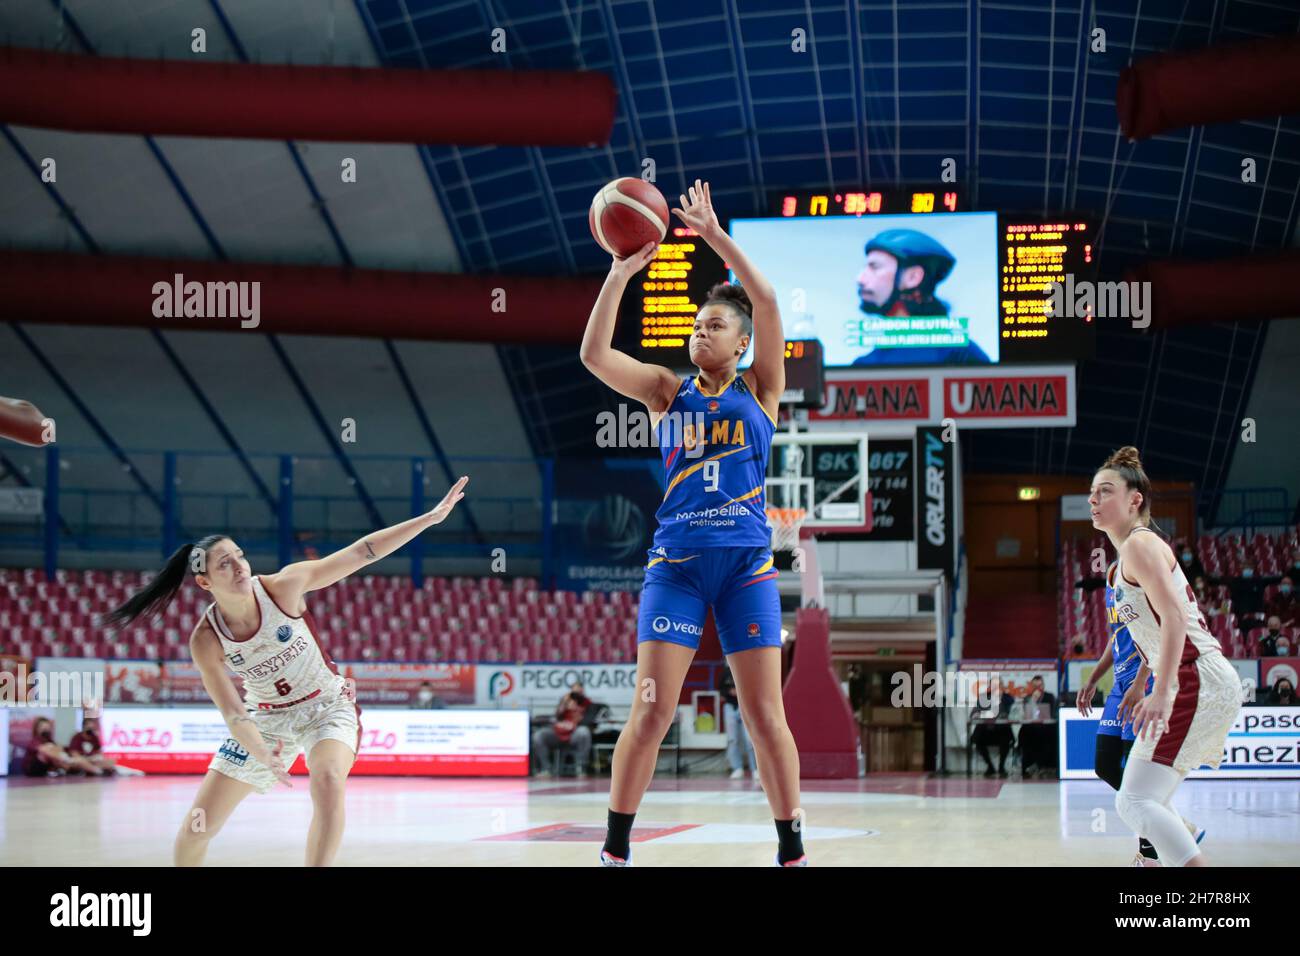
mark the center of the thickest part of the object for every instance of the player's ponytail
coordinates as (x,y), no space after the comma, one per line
(151,600)
(1127,462)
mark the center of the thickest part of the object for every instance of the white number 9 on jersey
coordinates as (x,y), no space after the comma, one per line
(711,469)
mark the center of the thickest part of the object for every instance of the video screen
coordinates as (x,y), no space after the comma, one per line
(883,290)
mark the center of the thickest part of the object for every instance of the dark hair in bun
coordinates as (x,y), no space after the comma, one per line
(728,293)
(1128,463)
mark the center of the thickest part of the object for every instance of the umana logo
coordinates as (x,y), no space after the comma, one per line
(500,683)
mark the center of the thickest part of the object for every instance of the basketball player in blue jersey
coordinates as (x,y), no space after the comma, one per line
(712,545)
(1115,734)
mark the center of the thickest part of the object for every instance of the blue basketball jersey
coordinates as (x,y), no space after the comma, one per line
(1123,651)
(715,450)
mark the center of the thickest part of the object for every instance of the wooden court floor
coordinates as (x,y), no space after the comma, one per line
(883,820)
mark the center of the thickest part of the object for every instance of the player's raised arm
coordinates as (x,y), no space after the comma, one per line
(653,385)
(289,585)
(769,336)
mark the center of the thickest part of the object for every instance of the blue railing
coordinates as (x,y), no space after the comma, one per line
(315,506)
(1245,510)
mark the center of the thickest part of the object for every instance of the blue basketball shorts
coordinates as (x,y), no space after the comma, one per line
(1110,724)
(738,583)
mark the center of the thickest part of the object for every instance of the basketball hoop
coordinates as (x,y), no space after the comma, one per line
(785,523)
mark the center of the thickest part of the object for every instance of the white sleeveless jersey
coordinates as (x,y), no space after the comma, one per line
(283,663)
(1133,608)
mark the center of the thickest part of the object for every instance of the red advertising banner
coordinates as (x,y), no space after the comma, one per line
(149,682)
(1012,396)
(1274,669)
(399,684)
(988,397)
(894,399)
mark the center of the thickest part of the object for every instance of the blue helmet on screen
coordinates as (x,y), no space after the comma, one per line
(911,247)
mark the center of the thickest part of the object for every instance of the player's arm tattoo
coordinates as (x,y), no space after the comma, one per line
(239,720)
(370,552)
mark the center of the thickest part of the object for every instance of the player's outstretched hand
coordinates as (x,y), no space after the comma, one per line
(697,212)
(449,500)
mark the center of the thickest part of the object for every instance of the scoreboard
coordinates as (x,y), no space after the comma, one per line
(865,203)
(1034,252)
(667,295)
(658,312)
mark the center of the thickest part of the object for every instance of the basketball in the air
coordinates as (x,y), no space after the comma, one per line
(626,214)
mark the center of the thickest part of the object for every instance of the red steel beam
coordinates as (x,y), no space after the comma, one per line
(325,103)
(1257,79)
(56,288)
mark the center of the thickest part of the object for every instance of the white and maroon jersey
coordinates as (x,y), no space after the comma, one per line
(283,663)
(1133,609)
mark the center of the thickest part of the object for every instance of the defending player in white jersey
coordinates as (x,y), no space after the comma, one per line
(295,701)
(1184,722)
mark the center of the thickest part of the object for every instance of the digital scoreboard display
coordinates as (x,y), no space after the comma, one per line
(1034,253)
(881,278)
(866,202)
(665,297)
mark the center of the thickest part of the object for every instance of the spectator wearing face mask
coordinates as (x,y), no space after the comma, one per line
(1248,596)
(1284,602)
(1283,693)
(86,744)
(1294,570)
(1268,642)
(45,758)
(426,699)
(1203,596)
(1188,560)
(571,729)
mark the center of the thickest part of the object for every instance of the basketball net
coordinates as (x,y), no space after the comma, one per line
(785,523)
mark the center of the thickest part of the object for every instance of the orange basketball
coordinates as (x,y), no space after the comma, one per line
(626,214)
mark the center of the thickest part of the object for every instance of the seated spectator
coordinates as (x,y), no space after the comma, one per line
(1188,560)
(1283,693)
(426,699)
(1038,743)
(1268,641)
(1209,600)
(1285,604)
(997,734)
(86,744)
(570,730)
(1293,568)
(1247,596)
(45,758)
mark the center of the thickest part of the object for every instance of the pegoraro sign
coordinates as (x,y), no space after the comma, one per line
(990,397)
(540,686)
